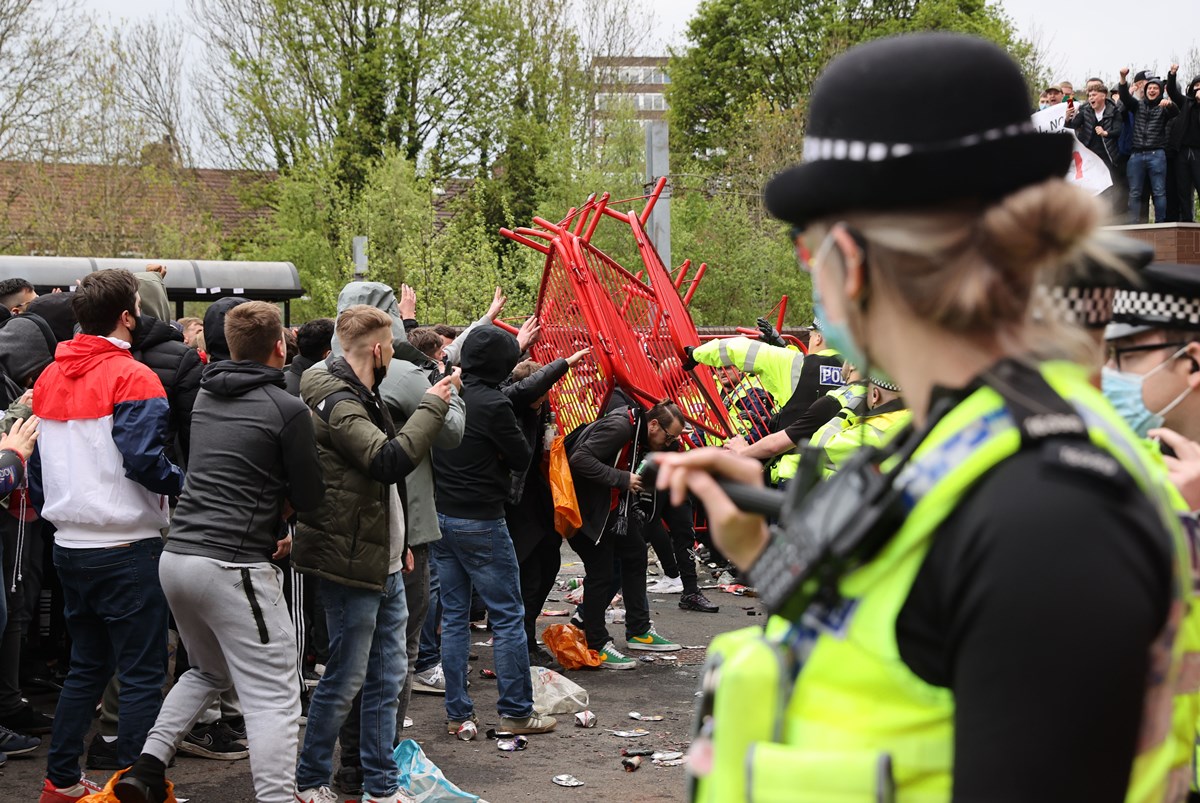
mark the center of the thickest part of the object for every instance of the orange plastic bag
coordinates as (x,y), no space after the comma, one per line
(567,518)
(569,646)
(108,796)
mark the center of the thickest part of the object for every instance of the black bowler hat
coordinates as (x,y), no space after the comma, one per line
(948,120)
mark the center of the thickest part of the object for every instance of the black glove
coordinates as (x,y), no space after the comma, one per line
(689,362)
(770,335)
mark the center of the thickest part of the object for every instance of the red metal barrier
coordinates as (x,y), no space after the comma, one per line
(634,321)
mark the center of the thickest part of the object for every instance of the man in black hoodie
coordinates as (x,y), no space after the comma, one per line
(160,346)
(1185,140)
(473,482)
(255,460)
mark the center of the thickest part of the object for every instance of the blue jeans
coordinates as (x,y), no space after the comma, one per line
(429,654)
(1154,165)
(116,614)
(480,553)
(367,652)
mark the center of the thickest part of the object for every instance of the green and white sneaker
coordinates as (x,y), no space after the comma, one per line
(611,658)
(650,641)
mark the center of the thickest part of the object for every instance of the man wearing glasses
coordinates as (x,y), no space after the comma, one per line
(1153,365)
(603,464)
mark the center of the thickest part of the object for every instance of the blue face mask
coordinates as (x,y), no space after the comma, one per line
(1124,392)
(838,336)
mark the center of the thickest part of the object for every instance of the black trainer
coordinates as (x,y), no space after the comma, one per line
(696,601)
(213,741)
(102,755)
(28,720)
(236,726)
(144,783)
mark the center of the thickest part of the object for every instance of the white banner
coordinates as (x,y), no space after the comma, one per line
(1087,170)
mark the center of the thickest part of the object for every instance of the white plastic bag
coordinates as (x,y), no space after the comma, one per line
(555,694)
(422,778)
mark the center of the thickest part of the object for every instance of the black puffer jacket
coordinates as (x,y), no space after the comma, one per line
(159,346)
(1150,120)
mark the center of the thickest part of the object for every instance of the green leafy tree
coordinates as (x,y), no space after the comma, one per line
(742,52)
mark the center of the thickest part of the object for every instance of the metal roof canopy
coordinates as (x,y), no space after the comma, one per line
(186,280)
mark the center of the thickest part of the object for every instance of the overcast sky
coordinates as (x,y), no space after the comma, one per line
(1081,39)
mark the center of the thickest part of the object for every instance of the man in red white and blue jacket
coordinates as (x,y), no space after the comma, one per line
(101,476)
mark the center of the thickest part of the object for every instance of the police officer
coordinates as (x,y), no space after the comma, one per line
(885,417)
(794,379)
(1002,625)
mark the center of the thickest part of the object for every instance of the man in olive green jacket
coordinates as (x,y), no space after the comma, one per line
(355,542)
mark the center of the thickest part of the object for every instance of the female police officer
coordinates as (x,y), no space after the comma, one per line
(1000,627)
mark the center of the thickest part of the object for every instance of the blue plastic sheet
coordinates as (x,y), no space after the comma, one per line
(422,778)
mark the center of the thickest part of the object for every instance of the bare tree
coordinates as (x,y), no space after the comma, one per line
(150,80)
(40,42)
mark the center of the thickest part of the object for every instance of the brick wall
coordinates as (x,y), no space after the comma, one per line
(1173,242)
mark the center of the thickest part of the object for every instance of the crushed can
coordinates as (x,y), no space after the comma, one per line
(467,731)
(585,719)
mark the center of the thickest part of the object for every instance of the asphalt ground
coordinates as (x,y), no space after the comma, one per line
(593,755)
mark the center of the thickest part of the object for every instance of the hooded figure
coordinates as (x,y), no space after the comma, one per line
(214,327)
(154,295)
(26,348)
(160,346)
(55,310)
(1185,143)
(380,296)
(473,480)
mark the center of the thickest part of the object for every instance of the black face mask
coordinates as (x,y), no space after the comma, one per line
(380,371)
(137,323)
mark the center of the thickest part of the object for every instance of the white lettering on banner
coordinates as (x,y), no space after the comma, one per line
(1087,170)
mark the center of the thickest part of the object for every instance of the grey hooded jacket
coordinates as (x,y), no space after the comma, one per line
(402,389)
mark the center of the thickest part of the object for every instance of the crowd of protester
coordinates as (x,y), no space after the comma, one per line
(1147,134)
(221,528)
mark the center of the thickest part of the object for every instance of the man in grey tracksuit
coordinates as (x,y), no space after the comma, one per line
(253,458)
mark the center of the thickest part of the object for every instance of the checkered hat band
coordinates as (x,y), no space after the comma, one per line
(1091,307)
(1145,307)
(885,384)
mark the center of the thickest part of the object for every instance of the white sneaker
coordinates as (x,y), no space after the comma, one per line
(399,796)
(431,681)
(666,585)
(321,795)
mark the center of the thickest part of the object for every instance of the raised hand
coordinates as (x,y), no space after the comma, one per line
(408,302)
(497,304)
(529,333)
